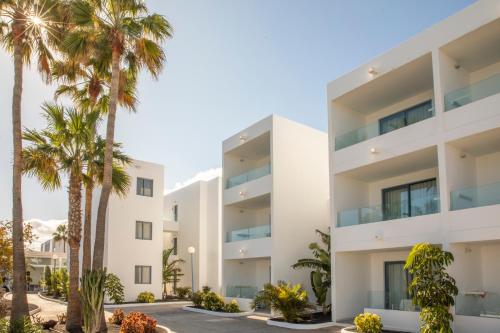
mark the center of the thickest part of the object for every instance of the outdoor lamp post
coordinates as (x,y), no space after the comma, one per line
(191,251)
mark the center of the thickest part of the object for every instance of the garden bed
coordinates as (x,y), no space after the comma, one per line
(33,309)
(217,313)
(311,321)
(111,329)
(352,329)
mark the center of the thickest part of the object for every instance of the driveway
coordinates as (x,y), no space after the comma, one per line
(180,321)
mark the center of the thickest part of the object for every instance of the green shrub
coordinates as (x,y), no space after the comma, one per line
(183,292)
(213,302)
(206,289)
(197,299)
(146,297)
(48,279)
(114,289)
(117,317)
(21,326)
(137,322)
(368,323)
(232,307)
(289,300)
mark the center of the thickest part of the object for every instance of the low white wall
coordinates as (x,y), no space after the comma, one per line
(398,320)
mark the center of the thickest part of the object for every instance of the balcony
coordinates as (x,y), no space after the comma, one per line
(478,304)
(385,125)
(249,233)
(380,299)
(248,292)
(477,196)
(249,176)
(365,215)
(471,93)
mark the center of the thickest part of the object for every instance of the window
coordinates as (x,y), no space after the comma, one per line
(142,274)
(397,279)
(175,211)
(145,187)
(175,246)
(406,117)
(143,230)
(420,198)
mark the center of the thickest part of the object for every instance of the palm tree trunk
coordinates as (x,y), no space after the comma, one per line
(19,298)
(74,321)
(87,229)
(98,258)
(100,229)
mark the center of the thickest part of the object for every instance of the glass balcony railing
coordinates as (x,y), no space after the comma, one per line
(248,176)
(261,231)
(472,93)
(248,292)
(477,196)
(385,125)
(478,304)
(380,299)
(373,214)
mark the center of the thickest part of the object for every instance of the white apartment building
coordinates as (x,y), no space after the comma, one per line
(415,157)
(134,231)
(193,219)
(275,178)
(37,261)
(51,245)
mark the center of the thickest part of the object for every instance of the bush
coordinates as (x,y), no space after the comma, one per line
(290,300)
(183,292)
(136,322)
(197,299)
(3,309)
(368,323)
(213,302)
(232,307)
(114,288)
(117,317)
(146,297)
(61,318)
(23,325)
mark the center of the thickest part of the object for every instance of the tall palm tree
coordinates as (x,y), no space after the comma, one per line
(61,234)
(27,32)
(124,31)
(87,82)
(60,148)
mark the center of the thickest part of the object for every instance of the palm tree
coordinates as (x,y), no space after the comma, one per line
(124,32)
(26,32)
(171,270)
(87,83)
(321,275)
(60,148)
(61,234)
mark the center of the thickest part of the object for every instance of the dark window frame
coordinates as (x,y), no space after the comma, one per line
(175,210)
(175,241)
(141,267)
(405,117)
(142,230)
(408,190)
(409,278)
(141,186)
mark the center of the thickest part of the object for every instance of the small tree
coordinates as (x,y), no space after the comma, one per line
(432,288)
(48,279)
(321,269)
(114,288)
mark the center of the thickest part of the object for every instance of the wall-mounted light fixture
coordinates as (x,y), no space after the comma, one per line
(372,71)
(242,193)
(373,150)
(243,138)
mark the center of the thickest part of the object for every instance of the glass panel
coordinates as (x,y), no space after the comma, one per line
(396,286)
(376,300)
(423,198)
(249,233)
(137,274)
(241,291)
(395,202)
(146,274)
(478,304)
(140,186)
(477,196)
(138,230)
(472,93)
(419,112)
(147,230)
(249,176)
(358,135)
(392,122)
(148,187)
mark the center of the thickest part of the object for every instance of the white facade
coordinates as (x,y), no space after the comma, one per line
(275,178)
(429,173)
(128,251)
(192,217)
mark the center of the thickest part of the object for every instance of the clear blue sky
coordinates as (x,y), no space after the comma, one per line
(230,63)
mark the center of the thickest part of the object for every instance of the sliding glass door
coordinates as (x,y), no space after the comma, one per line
(413,199)
(406,117)
(396,281)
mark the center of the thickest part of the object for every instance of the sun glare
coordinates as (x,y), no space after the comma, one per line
(36,20)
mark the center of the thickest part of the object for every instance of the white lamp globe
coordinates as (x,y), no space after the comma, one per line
(191,250)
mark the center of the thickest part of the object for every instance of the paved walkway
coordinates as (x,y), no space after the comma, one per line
(180,321)
(50,309)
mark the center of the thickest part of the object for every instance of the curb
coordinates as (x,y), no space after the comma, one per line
(32,312)
(300,326)
(51,299)
(218,314)
(165,328)
(132,305)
